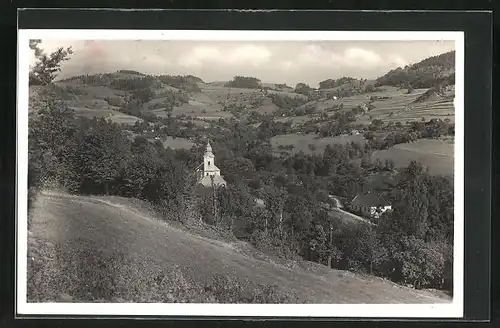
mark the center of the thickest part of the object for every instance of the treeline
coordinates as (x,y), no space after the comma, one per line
(287,103)
(431,129)
(246,82)
(137,80)
(187,83)
(332,83)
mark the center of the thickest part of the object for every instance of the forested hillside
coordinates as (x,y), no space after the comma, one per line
(433,71)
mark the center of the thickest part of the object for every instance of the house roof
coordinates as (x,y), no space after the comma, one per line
(369,199)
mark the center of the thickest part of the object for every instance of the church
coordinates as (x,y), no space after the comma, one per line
(208,175)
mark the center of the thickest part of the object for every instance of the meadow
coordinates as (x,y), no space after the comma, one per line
(436,155)
(301,142)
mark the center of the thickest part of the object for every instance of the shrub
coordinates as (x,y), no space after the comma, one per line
(421,263)
(90,275)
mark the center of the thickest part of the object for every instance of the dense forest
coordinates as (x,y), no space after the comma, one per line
(411,244)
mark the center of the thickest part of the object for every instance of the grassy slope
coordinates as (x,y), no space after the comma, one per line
(302,142)
(438,155)
(116,225)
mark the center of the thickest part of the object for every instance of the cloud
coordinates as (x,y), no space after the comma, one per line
(249,54)
(352,57)
(362,57)
(200,55)
(240,55)
(280,61)
(395,61)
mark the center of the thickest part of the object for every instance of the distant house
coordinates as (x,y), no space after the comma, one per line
(370,204)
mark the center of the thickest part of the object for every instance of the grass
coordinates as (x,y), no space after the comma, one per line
(177,143)
(302,142)
(113,115)
(110,249)
(437,155)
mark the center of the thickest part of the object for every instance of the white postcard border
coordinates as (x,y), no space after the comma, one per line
(447,310)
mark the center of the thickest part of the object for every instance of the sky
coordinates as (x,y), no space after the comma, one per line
(287,62)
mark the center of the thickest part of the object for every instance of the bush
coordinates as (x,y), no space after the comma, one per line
(90,275)
(79,272)
(230,289)
(421,263)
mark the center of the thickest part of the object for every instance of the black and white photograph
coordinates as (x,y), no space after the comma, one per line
(242,173)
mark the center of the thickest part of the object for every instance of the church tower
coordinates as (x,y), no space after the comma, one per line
(210,175)
(209,161)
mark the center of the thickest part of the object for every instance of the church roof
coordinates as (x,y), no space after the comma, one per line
(217,181)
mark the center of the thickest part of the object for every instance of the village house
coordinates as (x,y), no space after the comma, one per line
(208,174)
(370,204)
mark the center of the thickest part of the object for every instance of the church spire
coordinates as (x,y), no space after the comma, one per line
(209,147)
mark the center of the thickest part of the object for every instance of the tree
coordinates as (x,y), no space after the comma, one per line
(410,205)
(98,157)
(303,88)
(234,203)
(46,66)
(50,144)
(316,242)
(369,135)
(421,263)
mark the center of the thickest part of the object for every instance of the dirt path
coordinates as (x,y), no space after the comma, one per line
(114,227)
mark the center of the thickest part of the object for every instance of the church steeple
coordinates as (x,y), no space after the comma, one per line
(210,175)
(209,147)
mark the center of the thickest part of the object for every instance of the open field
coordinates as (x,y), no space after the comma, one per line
(177,143)
(113,227)
(302,141)
(113,115)
(437,155)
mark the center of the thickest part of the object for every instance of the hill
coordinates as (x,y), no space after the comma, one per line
(73,237)
(311,119)
(432,71)
(128,96)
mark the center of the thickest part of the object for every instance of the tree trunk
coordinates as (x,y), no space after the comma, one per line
(331,246)
(281,224)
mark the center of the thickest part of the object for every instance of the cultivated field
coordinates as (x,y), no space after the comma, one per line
(390,103)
